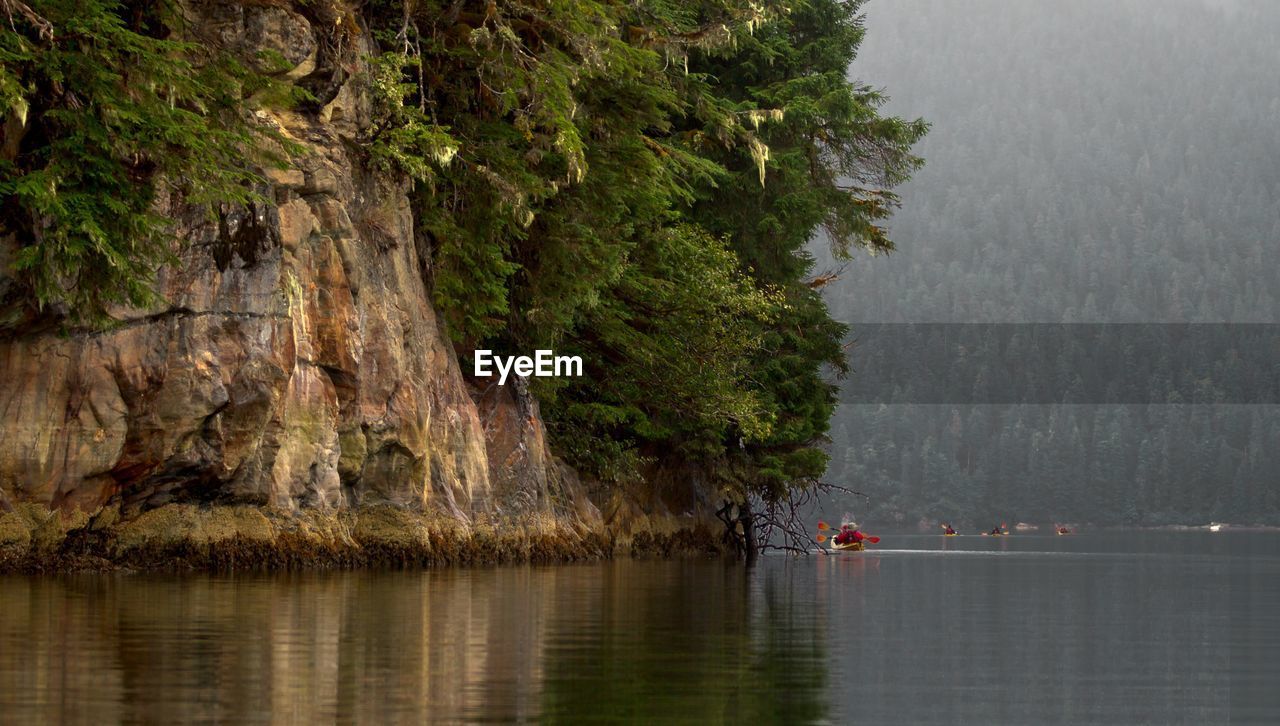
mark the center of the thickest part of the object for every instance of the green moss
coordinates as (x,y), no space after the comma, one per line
(187,525)
(14,530)
(223,523)
(159,527)
(390,527)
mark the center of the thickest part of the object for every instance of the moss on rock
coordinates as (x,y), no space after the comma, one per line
(15,530)
(241,537)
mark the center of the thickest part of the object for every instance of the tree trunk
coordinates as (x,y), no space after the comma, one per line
(747,521)
(746,541)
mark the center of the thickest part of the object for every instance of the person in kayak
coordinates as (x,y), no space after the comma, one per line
(997,531)
(849,533)
(1063,530)
(947,529)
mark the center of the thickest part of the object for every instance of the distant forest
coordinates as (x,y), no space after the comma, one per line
(1098,161)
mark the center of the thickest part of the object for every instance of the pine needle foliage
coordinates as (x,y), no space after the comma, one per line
(105,110)
(832,162)
(636,183)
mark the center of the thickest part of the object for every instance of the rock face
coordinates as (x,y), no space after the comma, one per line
(297,363)
(295,400)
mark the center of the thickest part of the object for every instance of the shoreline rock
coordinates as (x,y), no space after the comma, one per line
(189,537)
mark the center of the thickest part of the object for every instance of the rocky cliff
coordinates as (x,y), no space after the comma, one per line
(296,381)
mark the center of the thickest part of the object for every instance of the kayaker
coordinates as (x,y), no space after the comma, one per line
(849,533)
(997,531)
(1063,530)
(947,529)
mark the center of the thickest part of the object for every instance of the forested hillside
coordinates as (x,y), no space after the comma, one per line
(1099,162)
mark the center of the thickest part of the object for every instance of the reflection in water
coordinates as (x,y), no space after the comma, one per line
(1116,629)
(703,639)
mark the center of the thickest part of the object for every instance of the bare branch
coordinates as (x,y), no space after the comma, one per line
(826,278)
(44,28)
(780,524)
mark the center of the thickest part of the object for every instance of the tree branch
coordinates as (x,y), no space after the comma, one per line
(44,28)
(783,518)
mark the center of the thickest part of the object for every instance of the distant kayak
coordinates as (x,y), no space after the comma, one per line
(951,534)
(847,547)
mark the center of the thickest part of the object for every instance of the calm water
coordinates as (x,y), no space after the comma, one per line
(1114,628)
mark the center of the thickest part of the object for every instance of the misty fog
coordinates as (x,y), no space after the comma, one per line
(1090,161)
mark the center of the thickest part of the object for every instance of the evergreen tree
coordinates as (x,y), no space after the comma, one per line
(105,110)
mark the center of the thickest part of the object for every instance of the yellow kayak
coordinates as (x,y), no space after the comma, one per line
(847,547)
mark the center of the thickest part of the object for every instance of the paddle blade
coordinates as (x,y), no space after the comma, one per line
(823,525)
(822,538)
(873,540)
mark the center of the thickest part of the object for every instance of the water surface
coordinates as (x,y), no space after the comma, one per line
(1114,628)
